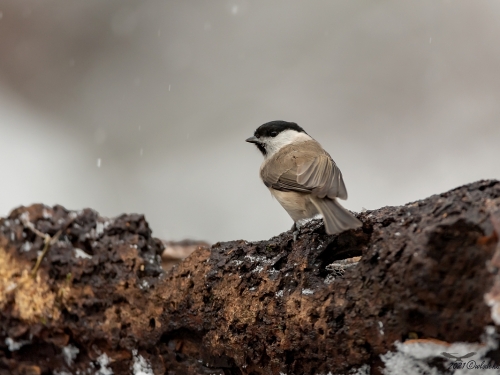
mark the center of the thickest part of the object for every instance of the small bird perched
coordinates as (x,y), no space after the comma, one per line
(302,176)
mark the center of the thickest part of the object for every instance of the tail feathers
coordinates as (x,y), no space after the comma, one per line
(336,218)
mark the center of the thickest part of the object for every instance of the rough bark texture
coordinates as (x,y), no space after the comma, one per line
(101,301)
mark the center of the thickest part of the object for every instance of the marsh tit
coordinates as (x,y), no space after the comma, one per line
(302,176)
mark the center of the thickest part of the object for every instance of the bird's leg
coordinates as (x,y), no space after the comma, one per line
(295,231)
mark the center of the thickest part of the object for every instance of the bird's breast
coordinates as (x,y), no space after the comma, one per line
(298,205)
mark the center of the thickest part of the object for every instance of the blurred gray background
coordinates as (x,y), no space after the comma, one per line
(144,106)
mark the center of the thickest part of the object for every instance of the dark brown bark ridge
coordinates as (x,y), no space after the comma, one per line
(100,299)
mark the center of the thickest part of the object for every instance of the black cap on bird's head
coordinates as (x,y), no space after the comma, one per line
(271,130)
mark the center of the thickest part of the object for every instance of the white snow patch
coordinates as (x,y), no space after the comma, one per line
(307,291)
(329,279)
(363,370)
(104,361)
(10,287)
(257,269)
(144,284)
(99,228)
(25,217)
(14,345)
(279,293)
(62,372)
(300,223)
(26,246)
(141,365)
(79,253)
(414,358)
(69,354)
(257,258)
(251,258)
(381,327)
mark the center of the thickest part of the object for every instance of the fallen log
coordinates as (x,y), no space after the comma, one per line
(101,303)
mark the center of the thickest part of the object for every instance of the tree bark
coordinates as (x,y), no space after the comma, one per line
(101,302)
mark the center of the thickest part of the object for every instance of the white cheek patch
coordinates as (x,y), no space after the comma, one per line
(274,144)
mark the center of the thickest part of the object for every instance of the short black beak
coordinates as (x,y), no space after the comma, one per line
(252,140)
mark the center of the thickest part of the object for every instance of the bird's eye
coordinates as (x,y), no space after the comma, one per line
(274,134)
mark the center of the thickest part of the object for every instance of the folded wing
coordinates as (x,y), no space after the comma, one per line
(308,170)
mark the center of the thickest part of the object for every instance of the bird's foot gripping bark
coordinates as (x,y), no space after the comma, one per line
(295,231)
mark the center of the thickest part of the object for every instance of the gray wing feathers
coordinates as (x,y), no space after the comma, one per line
(323,176)
(283,180)
(336,218)
(306,170)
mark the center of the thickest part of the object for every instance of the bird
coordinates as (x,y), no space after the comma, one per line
(302,176)
(457,359)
